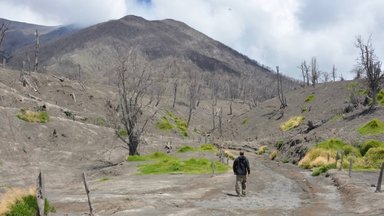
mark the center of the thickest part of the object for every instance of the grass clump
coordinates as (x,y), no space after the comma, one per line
(186,148)
(171,121)
(20,202)
(309,98)
(262,150)
(245,121)
(273,155)
(31,116)
(373,127)
(122,132)
(153,156)
(322,169)
(292,123)
(104,179)
(175,165)
(208,147)
(370,144)
(380,98)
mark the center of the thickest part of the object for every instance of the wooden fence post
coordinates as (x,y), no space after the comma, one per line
(337,157)
(350,167)
(87,191)
(378,187)
(213,168)
(40,194)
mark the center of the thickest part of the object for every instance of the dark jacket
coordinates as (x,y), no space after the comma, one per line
(241,166)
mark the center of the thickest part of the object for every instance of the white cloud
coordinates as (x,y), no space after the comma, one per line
(273,32)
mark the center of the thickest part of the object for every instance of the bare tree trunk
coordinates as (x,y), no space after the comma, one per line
(174,93)
(88,195)
(37,49)
(230,108)
(40,194)
(189,115)
(280,91)
(213,117)
(220,122)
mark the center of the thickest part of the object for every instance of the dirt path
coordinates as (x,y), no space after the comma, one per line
(273,189)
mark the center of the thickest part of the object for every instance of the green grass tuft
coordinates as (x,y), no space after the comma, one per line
(30,116)
(369,144)
(373,127)
(175,165)
(322,169)
(153,156)
(245,121)
(170,122)
(122,132)
(380,98)
(27,206)
(208,147)
(262,150)
(292,123)
(309,98)
(104,179)
(186,149)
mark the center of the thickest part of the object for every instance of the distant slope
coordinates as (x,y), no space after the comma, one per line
(168,46)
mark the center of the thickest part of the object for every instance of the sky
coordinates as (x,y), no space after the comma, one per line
(273,32)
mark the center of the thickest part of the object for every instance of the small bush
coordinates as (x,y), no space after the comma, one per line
(375,156)
(100,121)
(229,155)
(273,155)
(373,127)
(369,144)
(164,124)
(309,98)
(279,144)
(262,150)
(153,156)
(292,123)
(30,116)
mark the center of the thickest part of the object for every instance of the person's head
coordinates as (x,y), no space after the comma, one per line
(241,152)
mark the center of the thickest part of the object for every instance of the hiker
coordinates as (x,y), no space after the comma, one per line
(241,169)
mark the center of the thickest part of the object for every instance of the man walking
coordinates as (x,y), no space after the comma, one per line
(241,169)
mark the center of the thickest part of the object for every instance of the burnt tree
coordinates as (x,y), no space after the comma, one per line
(280,91)
(133,86)
(37,50)
(371,66)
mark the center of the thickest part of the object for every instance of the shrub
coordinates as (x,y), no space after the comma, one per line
(30,116)
(292,123)
(369,144)
(279,144)
(164,124)
(273,155)
(373,127)
(309,98)
(100,121)
(262,150)
(380,98)
(375,156)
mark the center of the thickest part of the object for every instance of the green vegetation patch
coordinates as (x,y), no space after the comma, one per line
(153,156)
(186,148)
(262,150)
(104,179)
(122,132)
(273,155)
(175,165)
(208,147)
(309,98)
(370,144)
(323,156)
(245,121)
(27,206)
(292,123)
(380,98)
(170,122)
(373,127)
(30,116)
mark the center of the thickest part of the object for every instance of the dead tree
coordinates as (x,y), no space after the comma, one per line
(368,62)
(314,72)
(280,91)
(3,31)
(305,72)
(334,73)
(133,85)
(37,50)
(193,90)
